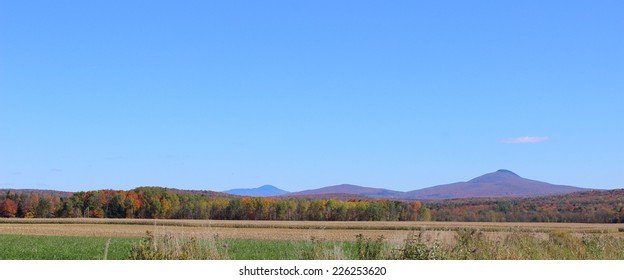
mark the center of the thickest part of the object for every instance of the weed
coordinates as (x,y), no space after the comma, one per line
(315,252)
(414,248)
(369,249)
(169,247)
(565,246)
(472,245)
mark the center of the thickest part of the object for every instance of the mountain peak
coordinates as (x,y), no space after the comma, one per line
(502,183)
(505,171)
(498,176)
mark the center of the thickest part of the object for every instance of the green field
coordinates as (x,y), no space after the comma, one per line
(33,247)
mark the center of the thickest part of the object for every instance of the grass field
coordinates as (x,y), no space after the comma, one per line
(37,247)
(112,239)
(29,247)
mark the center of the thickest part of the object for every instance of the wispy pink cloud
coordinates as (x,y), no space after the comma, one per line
(526,140)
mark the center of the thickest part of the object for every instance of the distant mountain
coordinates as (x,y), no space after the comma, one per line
(211,194)
(358,191)
(266,190)
(502,183)
(35,191)
(327,196)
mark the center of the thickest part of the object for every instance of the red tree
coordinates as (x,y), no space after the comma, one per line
(8,208)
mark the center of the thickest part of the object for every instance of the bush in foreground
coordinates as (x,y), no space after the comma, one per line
(468,244)
(169,247)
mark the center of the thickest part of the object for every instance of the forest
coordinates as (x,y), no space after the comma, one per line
(164,203)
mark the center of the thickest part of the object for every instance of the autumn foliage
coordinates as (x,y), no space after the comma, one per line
(163,203)
(8,208)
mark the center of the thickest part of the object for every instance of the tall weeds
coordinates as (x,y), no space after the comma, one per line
(468,244)
(169,247)
(321,250)
(369,249)
(473,245)
(416,248)
(556,245)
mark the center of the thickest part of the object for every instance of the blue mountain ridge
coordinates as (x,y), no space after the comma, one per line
(266,190)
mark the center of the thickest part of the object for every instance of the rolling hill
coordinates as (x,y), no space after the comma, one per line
(266,190)
(502,183)
(356,191)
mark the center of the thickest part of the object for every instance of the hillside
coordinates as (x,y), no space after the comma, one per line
(349,189)
(595,206)
(502,183)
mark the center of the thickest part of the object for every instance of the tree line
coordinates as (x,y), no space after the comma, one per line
(579,207)
(163,203)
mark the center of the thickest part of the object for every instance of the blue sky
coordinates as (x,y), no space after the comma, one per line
(306,94)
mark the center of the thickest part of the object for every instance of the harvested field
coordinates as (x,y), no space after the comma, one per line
(285,230)
(117,230)
(527,227)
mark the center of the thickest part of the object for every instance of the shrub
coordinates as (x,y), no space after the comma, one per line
(369,249)
(169,247)
(472,245)
(414,248)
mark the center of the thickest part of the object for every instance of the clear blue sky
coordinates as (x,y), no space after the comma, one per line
(306,94)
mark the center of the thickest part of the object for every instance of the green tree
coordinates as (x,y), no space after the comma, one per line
(116,206)
(425,214)
(42,209)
